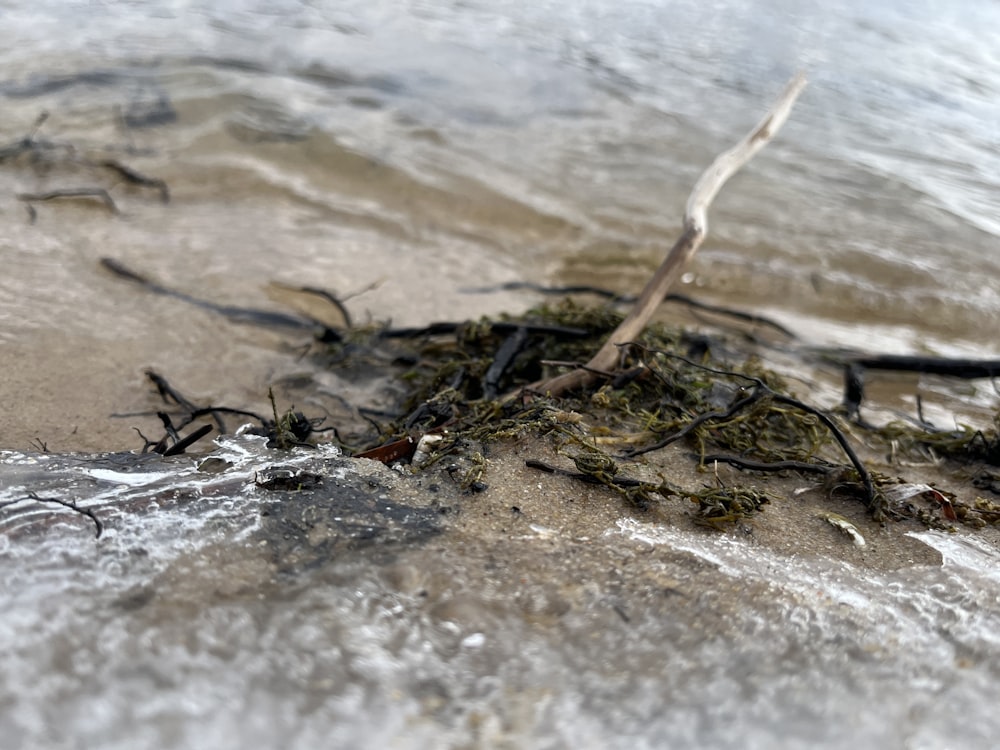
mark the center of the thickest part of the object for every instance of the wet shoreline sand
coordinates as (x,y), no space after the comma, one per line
(506,616)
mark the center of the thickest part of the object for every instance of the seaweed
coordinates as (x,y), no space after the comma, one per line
(285,430)
(464,386)
(35,497)
(452,375)
(670,386)
(64,161)
(101,195)
(245,315)
(965,443)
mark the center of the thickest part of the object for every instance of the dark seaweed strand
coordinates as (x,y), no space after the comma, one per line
(532,463)
(762,389)
(614,296)
(99,193)
(135,178)
(756,395)
(509,349)
(751,465)
(65,503)
(822,416)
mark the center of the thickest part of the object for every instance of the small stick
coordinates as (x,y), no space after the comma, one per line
(100,194)
(695,227)
(135,178)
(64,503)
(183,444)
(762,390)
(751,465)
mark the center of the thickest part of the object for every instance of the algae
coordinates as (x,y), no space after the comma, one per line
(469,386)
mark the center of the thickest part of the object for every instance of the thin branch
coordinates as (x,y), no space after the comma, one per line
(133,177)
(751,465)
(64,503)
(695,227)
(760,391)
(184,443)
(99,194)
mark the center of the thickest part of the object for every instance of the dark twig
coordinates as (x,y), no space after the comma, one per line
(589,478)
(967,369)
(509,349)
(39,121)
(442,329)
(135,178)
(293,428)
(762,390)
(149,445)
(616,297)
(232,312)
(163,446)
(100,194)
(512,286)
(42,151)
(167,391)
(855,366)
(323,294)
(64,503)
(184,443)
(751,465)
(838,435)
(25,144)
(752,318)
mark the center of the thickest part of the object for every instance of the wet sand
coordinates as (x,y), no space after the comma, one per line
(791,525)
(77,339)
(388,608)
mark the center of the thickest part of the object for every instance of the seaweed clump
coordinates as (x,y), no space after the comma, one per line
(470,386)
(965,443)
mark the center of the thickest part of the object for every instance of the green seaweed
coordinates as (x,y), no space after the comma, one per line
(670,386)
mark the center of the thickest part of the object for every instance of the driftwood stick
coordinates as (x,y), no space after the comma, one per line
(695,227)
(99,194)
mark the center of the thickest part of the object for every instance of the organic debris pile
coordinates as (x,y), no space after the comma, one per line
(467,387)
(619,397)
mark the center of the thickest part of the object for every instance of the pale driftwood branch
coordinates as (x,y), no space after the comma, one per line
(695,227)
